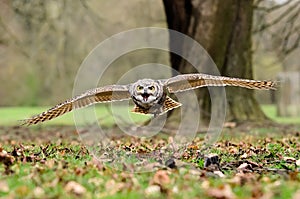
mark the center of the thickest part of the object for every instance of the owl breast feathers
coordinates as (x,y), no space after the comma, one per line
(150,96)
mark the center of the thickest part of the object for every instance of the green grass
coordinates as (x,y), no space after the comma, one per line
(41,162)
(54,165)
(10,116)
(270,111)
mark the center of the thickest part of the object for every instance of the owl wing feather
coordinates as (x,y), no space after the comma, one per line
(98,95)
(181,83)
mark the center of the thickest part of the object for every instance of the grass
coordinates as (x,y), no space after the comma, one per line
(52,162)
(10,116)
(270,111)
(64,168)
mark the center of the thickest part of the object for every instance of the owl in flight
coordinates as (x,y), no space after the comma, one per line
(150,96)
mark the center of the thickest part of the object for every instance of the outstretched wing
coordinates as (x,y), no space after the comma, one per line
(98,95)
(191,81)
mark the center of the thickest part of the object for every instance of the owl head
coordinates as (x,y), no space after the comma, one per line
(146,90)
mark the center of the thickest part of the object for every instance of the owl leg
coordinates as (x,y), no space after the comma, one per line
(156,109)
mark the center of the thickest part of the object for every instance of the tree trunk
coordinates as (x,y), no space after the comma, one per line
(223,28)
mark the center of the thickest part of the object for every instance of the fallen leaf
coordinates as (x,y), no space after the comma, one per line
(6,159)
(253,164)
(193,147)
(50,163)
(97,163)
(289,159)
(152,166)
(96,181)
(233,150)
(294,175)
(194,172)
(38,192)
(75,188)
(244,156)
(229,124)
(54,182)
(79,171)
(223,192)
(175,189)
(296,195)
(161,178)
(22,191)
(242,178)
(268,195)
(3,186)
(266,179)
(205,184)
(113,187)
(245,167)
(220,174)
(257,192)
(152,190)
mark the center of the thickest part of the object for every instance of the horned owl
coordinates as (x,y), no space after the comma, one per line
(150,96)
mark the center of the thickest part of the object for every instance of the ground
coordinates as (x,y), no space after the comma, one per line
(52,162)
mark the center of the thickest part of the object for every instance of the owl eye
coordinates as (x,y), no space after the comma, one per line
(151,88)
(139,88)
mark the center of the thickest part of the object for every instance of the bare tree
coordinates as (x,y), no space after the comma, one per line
(277,26)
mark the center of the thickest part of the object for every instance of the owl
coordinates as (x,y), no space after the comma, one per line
(149,96)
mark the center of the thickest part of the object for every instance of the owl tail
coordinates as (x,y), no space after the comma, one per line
(140,110)
(170,104)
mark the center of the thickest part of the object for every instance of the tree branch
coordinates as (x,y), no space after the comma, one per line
(15,40)
(273,8)
(281,17)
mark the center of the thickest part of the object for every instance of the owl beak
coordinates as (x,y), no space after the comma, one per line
(145,96)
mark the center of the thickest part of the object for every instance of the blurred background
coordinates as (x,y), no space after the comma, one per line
(43,43)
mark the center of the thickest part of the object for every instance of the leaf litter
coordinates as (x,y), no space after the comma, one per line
(50,163)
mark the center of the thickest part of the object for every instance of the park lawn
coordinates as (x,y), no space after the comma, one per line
(54,164)
(51,161)
(270,111)
(12,116)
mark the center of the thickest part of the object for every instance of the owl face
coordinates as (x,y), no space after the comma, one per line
(146,91)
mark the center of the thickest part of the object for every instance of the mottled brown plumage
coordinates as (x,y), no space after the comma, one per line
(150,96)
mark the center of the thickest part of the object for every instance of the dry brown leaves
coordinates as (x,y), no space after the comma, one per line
(259,165)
